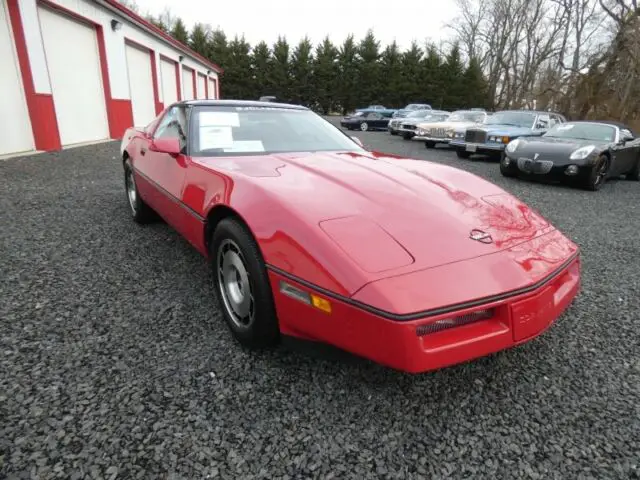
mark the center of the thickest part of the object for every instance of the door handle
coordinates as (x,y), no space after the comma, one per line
(143,151)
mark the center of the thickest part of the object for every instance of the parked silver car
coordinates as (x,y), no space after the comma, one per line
(406,127)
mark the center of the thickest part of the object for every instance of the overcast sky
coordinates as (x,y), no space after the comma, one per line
(266,19)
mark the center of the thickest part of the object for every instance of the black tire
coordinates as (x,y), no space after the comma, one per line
(393,133)
(634,174)
(462,153)
(508,170)
(364,126)
(140,211)
(407,136)
(261,328)
(429,144)
(598,174)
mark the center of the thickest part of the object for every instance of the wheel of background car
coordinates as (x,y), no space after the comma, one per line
(430,144)
(598,173)
(634,174)
(462,153)
(140,211)
(507,170)
(242,285)
(406,136)
(393,133)
(364,126)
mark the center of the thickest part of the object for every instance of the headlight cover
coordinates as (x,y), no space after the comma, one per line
(582,152)
(513,145)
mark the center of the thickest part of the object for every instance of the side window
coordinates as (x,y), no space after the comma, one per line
(173,125)
(543,121)
(375,116)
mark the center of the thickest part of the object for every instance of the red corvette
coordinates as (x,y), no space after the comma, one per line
(409,263)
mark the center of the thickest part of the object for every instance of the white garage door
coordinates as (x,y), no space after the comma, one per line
(15,135)
(169,87)
(140,85)
(212,88)
(187,84)
(73,61)
(202,86)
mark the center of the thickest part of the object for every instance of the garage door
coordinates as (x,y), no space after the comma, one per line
(202,81)
(15,135)
(140,85)
(169,87)
(73,61)
(212,88)
(187,84)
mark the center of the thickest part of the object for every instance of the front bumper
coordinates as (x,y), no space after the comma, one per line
(403,345)
(432,139)
(557,173)
(479,148)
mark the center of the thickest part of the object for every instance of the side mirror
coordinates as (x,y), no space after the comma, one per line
(165,145)
(358,141)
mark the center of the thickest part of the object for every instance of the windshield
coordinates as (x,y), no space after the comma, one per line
(357,114)
(419,114)
(414,106)
(437,117)
(583,131)
(249,130)
(477,117)
(515,119)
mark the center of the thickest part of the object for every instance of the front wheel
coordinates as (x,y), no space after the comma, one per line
(407,136)
(507,167)
(364,126)
(242,285)
(428,144)
(462,153)
(140,211)
(393,132)
(598,174)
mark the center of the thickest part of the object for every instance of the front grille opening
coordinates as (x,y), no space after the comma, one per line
(447,323)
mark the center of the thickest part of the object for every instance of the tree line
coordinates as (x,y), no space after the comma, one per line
(331,77)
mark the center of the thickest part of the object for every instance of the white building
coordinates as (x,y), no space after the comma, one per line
(76,71)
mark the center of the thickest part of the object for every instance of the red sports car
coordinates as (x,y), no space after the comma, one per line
(412,264)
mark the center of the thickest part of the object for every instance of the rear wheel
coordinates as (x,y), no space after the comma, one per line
(140,211)
(598,174)
(462,153)
(634,174)
(242,285)
(429,144)
(364,126)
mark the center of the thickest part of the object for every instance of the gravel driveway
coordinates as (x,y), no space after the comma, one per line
(114,361)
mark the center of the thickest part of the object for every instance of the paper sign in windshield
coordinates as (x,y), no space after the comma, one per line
(246,146)
(219,119)
(212,137)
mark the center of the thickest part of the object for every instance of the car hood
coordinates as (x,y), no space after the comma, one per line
(505,130)
(389,213)
(445,124)
(552,148)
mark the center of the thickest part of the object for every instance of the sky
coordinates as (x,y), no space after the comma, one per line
(403,21)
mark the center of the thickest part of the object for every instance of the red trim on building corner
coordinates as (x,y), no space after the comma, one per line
(42,113)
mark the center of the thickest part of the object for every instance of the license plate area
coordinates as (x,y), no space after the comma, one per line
(471,148)
(533,315)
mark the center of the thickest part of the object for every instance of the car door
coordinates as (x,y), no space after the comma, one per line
(166,173)
(623,153)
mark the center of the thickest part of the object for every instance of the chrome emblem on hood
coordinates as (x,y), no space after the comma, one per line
(480,236)
(535,157)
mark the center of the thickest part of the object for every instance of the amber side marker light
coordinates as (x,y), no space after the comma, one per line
(309,298)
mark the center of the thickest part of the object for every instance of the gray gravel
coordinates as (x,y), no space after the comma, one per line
(114,362)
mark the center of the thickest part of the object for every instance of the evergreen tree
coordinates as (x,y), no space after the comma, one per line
(279,70)
(157,21)
(411,86)
(199,39)
(238,84)
(369,86)
(325,75)
(476,89)
(452,77)
(260,63)
(432,86)
(301,74)
(392,76)
(348,75)
(179,32)
(218,48)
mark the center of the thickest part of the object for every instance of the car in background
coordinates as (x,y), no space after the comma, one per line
(583,153)
(367,120)
(412,264)
(433,133)
(407,126)
(501,128)
(372,107)
(268,98)
(403,112)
